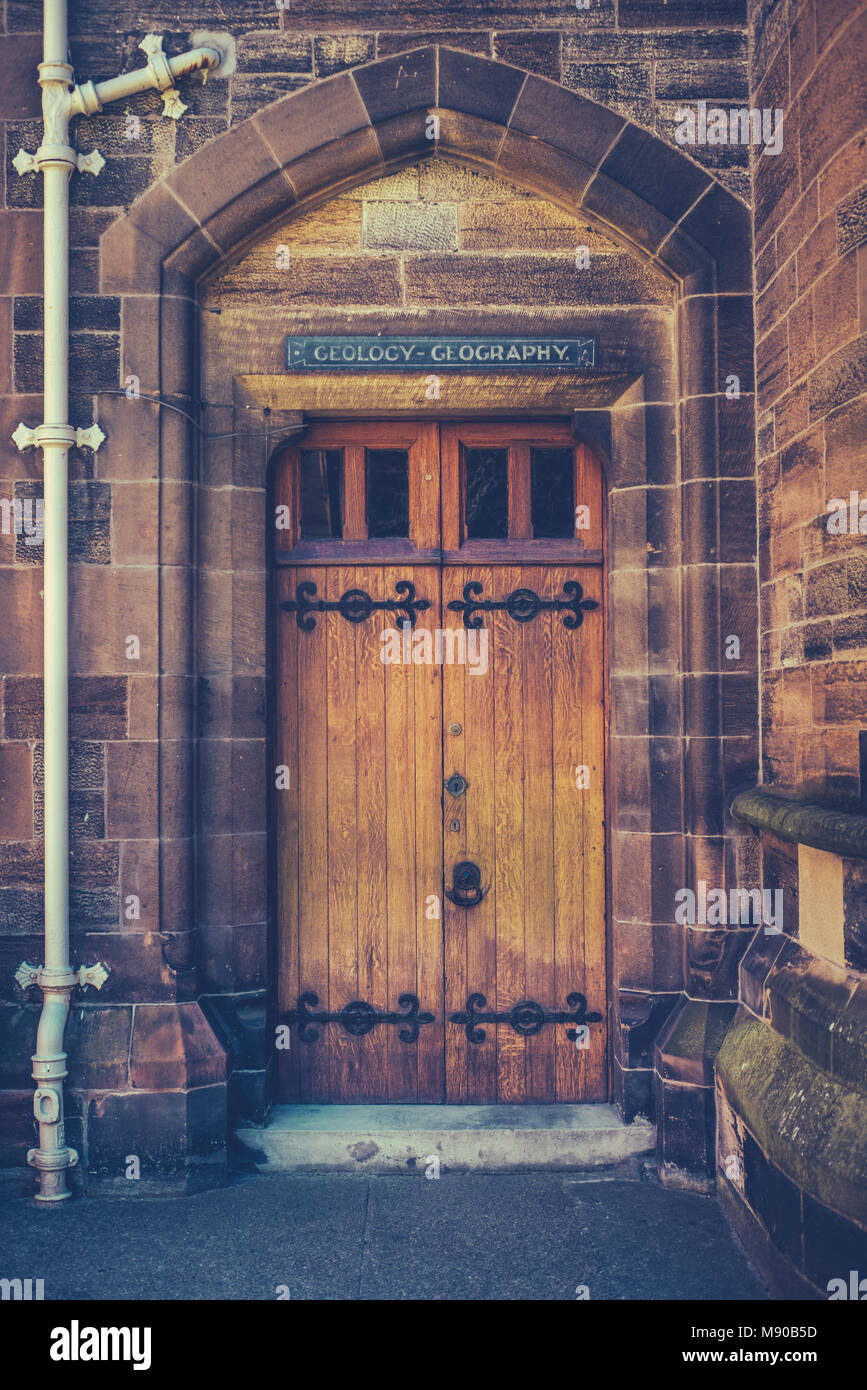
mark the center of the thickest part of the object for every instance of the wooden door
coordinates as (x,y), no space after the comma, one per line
(530,750)
(381,703)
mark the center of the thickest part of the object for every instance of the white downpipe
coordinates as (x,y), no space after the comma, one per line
(56,160)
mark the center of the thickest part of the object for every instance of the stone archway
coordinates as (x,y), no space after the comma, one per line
(672,436)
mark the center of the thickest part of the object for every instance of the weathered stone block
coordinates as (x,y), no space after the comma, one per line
(409,227)
(131,801)
(334,52)
(268,50)
(658,14)
(16,788)
(173,1045)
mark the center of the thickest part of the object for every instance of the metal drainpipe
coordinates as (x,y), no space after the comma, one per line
(56,160)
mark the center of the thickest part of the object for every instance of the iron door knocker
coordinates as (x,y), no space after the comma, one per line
(466,889)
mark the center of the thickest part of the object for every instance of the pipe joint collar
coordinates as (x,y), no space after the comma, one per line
(152,46)
(56,157)
(60,980)
(49,1068)
(84,100)
(55,72)
(60,436)
(52,1160)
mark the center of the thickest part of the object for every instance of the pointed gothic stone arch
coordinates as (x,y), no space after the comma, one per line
(371,119)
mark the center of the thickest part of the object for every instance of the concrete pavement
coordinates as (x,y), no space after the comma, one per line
(540,1236)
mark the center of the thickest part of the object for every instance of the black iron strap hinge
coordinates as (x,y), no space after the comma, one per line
(525,1018)
(355,605)
(523,604)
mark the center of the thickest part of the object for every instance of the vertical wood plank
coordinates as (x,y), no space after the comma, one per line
(402,901)
(424,487)
(452,502)
(455,848)
(427,682)
(341,866)
(568,839)
(594,1061)
(312,649)
(354,493)
(285,802)
(588,492)
(373,982)
(480,923)
(539,834)
(520,510)
(509,821)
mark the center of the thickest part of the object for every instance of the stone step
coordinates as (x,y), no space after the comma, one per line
(465,1138)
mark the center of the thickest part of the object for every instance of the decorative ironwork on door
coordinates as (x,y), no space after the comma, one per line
(355,605)
(523,605)
(525,1018)
(358,1018)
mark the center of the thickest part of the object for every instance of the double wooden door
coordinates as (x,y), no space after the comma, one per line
(439,740)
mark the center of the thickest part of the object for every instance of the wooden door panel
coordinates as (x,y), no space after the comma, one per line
(360,842)
(470,933)
(578,835)
(539,757)
(539,933)
(404,901)
(426,737)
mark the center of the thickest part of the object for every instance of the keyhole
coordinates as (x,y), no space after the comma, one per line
(454,825)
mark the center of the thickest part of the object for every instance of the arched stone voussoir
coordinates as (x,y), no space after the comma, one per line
(323,138)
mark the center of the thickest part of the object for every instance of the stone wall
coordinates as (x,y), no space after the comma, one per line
(811,330)
(168,777)
(790,1076)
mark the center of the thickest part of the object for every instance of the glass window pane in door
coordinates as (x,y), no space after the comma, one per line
(552,492)
(486,506)
(321,477)
(387,492)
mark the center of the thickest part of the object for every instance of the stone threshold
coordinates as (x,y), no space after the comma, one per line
(465,1138)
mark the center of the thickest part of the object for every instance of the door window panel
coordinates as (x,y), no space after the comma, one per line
(387,492)
(486,508)
(321,506)
(552,493)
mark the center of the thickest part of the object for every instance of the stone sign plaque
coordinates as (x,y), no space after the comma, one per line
(373,353)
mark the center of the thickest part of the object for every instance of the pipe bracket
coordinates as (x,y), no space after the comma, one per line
(172,104)
(91,438)
(92,163)
(27,975)
(25,163)
(95,975)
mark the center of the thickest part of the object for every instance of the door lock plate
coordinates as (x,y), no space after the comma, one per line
(456,785)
